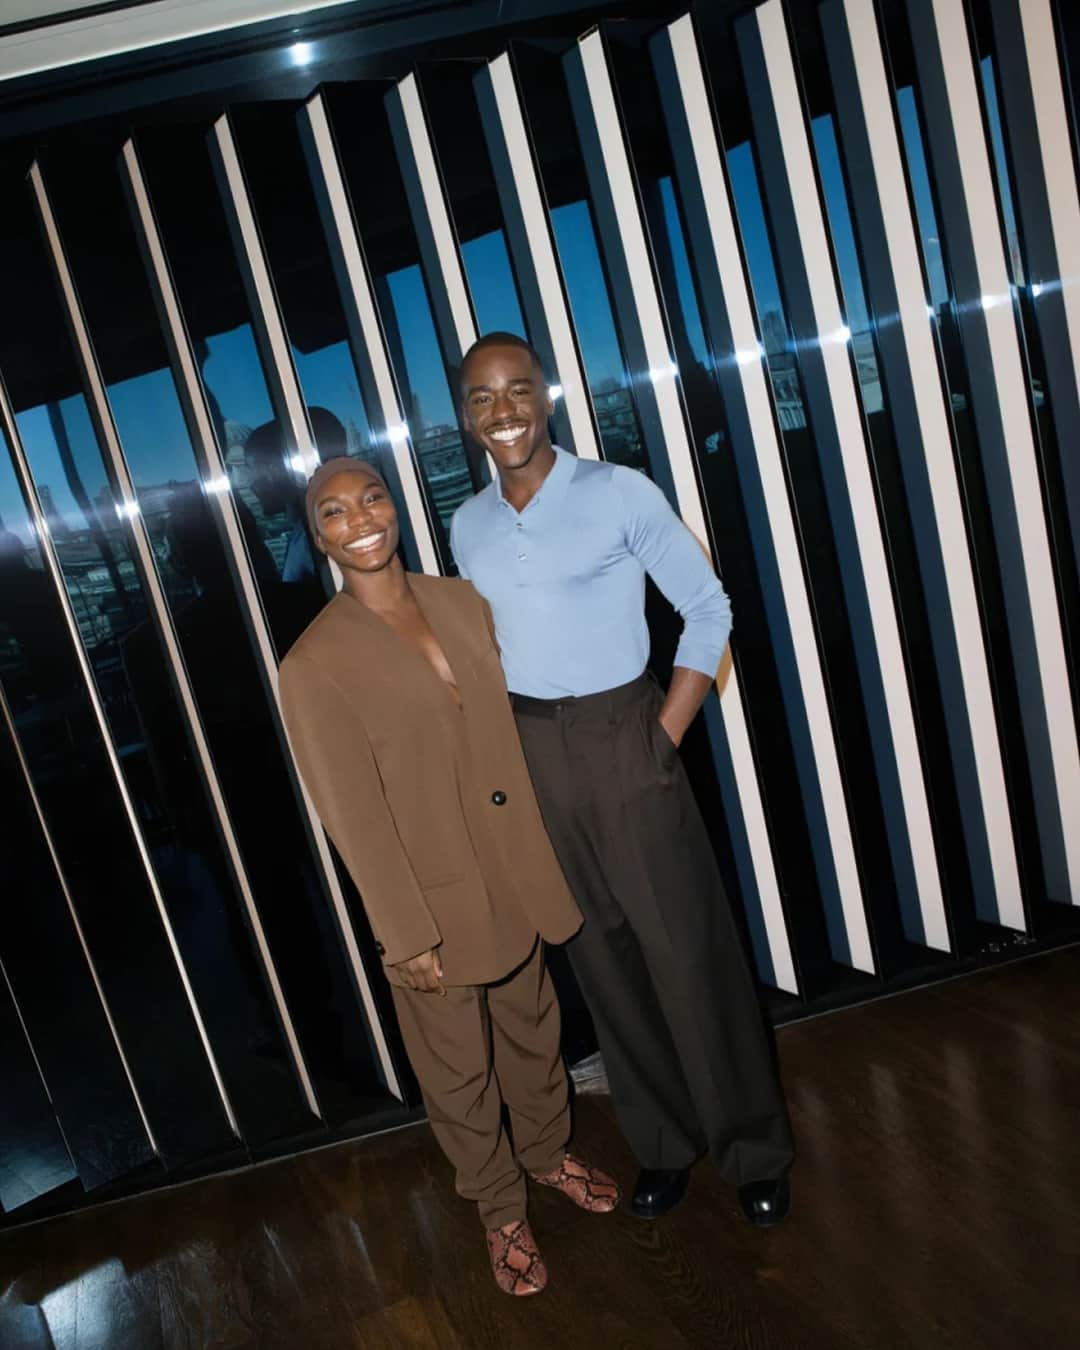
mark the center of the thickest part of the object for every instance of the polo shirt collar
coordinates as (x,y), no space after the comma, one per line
(554,486)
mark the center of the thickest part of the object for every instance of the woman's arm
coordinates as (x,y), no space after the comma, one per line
(331,746)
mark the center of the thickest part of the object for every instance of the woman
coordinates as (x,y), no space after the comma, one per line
(398,716)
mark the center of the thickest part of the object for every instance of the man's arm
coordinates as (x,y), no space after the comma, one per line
(679,567)
(456,546)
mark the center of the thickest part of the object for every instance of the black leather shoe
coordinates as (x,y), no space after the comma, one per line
(656,1191)
(766,1203)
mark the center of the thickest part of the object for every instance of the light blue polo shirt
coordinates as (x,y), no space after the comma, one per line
(565,578)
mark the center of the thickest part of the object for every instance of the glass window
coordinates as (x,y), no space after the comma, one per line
(547,109)
(451,468)
(222,662)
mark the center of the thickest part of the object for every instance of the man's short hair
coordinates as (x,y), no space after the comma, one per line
(499,340)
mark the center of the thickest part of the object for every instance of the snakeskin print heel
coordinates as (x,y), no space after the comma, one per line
(516,1262)
(588,1187)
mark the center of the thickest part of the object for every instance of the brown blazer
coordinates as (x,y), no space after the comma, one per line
(429,805)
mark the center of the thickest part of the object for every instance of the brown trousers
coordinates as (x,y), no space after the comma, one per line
(480,1047)
(658,959)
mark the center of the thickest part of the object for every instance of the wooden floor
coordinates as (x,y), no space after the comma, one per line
(937,1200)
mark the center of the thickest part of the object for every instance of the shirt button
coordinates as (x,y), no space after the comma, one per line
(522,557)
(499,797)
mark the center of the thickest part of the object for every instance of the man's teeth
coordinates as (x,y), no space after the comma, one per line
(508,433)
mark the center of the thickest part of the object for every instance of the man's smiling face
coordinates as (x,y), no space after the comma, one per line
(506,403)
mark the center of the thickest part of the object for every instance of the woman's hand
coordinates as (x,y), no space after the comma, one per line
(423,973)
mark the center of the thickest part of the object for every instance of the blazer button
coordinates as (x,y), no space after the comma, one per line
(499,798)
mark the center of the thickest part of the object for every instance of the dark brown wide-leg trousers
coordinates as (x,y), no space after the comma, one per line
(658,959)
(474,1050)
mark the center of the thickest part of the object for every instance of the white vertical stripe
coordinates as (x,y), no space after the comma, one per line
(206,445)
(840,878)
(155,596)
(421,153)
(1016,499)
(832,337)
(524,183)
(363,302)
(284,371)
(590,53)
(1053,155)
(964,648)
(8,419)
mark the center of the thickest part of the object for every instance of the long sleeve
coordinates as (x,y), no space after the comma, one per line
(676,562)
(331,747)
(457,547)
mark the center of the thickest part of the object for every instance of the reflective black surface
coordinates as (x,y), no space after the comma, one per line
(33,1160)
(263,797)
(62,740)
(49,975)
(201,891)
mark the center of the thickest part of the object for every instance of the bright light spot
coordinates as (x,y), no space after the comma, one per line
(843,334)
(554,392)
(992,301)
(931,312)
(127,510)
(398,434)
(1036,289)
(667,372)
(748,358)
(219,485)
(300,52)
(298,464)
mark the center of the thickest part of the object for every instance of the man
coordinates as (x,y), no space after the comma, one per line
(559,547)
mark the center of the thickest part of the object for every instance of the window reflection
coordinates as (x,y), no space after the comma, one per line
(450,467)
(775,333)
(427,398)
(491,284)
(225,672)
(579,256)
(847,259)
(1001,169)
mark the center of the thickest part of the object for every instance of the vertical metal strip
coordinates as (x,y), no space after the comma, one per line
(741,371)
(918,402)
(1048,200)
(439,252)
(528,230)
(106,428)
(278,362)
(455,319)
(836,415)
(6,714)
(638,303)
(217,483)
(1003,418)
(366,336)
